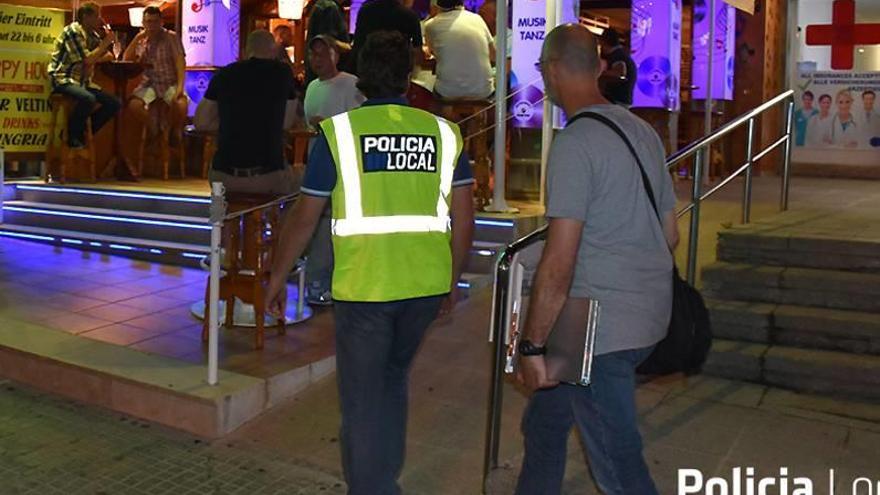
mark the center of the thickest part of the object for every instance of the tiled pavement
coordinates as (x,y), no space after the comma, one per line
(54,446)
(140,305)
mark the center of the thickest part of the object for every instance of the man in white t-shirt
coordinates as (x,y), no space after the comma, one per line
(331,93)
(464,48)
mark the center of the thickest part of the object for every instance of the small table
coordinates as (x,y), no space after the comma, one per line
(120,71)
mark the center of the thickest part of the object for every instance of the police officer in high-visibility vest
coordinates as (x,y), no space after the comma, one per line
(402,223)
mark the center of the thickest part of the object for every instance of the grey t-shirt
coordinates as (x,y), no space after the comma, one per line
(623,261)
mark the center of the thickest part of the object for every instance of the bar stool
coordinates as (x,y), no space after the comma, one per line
(199,146)
(163,140)
(249,242)
(59,155)
(475,111)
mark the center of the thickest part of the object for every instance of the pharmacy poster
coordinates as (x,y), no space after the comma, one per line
(837,117)
(526,86)
(27,35)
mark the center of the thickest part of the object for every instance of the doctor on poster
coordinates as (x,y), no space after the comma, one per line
(845,131)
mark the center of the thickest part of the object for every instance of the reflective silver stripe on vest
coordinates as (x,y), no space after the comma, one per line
(355,223)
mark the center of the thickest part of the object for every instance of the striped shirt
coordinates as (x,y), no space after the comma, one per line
(67,65)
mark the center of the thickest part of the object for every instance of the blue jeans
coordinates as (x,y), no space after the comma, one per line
(319,264)
(375,345)
(605,416)
(86,99)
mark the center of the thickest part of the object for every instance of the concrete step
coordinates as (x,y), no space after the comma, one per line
(483,256)
(108,221)
(793,286)
(803,370)
(796,326)
(469,283)
(174,253)
(114,199)
(835,254)
(500,228)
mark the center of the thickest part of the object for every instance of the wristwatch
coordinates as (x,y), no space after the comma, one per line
(527,348)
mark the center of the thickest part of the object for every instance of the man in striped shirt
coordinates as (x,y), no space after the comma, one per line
(71,68)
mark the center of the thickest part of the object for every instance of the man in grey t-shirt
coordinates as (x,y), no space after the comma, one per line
(605,242)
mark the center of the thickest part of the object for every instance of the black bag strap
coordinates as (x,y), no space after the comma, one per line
(617,130)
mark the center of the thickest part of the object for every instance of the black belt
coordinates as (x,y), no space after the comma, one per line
(247,172)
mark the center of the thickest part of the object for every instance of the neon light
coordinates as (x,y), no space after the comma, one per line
(71,241)
(156,251)
(493,223)
(464,285)
(193,255)
(28,236)
(108,218)
(96,244)
(115,194)
(122,247)
(485,252)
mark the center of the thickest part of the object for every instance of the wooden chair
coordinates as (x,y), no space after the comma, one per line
(60,158)
(249,242)
(475,111)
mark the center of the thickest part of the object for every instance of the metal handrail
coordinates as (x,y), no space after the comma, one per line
(501,317)
(727,128)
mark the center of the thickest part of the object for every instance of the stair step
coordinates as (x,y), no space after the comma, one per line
(483,256)
(471,282)
(797,326)
(807,240)
(804,370)
(115,199)
(504,228)
(105,221)
(795,286)
(175,253)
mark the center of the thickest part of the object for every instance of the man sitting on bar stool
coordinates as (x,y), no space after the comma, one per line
(250,104)
(70,71)
(159,101)
(464,48)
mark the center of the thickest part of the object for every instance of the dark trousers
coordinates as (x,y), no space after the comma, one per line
(605,415)
(86,99)
(375,345)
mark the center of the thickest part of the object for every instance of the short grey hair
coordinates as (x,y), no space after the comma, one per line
(575,47)
(261,44)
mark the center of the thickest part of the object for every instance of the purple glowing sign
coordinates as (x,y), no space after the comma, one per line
(656,51)
(526,85)
(722,57)
(210,32)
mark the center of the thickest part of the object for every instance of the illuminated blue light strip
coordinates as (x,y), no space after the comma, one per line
(193,255)
(485,252)
(464,285)
(141,221)
(96,244)
(115,194)
(71,241)
(122,247)
(493,223)
(28,236)
(156,251)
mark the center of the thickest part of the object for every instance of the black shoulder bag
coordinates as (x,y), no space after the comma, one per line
(689,338)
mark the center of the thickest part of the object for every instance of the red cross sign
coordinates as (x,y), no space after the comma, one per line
(843,34)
